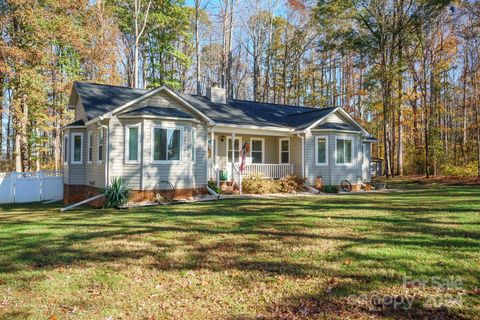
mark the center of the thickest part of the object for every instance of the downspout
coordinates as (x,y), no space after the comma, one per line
(107,154)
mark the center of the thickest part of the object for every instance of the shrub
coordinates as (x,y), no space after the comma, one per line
(330,189)
(117,193)
(470,170)
(256,184)
(213,185)
(291,184)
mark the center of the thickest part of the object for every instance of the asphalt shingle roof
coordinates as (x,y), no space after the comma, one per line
(243,112)
(99,99)
(76,123)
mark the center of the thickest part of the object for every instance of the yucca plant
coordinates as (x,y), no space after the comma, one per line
(117,193)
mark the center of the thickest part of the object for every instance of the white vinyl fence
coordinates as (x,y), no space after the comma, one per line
(21,187)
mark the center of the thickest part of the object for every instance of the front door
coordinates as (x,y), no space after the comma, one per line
(236,155)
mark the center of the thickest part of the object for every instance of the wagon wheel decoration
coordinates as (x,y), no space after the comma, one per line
(346,186)
(164,191)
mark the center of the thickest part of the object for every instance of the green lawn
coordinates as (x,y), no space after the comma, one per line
(292,258)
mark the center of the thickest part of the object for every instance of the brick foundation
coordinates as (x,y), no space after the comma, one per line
(76,193)
(149,195)
(73,193)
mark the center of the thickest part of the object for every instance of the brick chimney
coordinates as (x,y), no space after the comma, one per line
(216,94)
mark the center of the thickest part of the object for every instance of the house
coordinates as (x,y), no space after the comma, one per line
(148,136)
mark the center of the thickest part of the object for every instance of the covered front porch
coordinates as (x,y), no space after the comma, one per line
(271,155)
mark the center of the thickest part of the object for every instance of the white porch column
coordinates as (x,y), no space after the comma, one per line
(233,155)
(212,156)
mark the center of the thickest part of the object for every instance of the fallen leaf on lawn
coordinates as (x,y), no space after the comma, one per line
(347,262)
(52,317)
(332,280)
(2,282)
(474,292)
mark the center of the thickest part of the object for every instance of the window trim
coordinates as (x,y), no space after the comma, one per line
(193,146)
(326,151)
(152,144)
(239,148)
(345,163)
(65,150)
(72,152)
(100,130)
(127,143)
(280,150)
(89,145)
(251,149)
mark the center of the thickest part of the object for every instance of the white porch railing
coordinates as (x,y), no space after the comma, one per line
(269,171)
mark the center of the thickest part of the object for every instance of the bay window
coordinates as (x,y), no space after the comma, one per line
(90,146)
(77,148)
(65,149)
(321,151)
(344,151)
(100,146)
(132,142)
(166,144)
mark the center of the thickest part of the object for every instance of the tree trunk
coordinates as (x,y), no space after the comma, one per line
(197,47)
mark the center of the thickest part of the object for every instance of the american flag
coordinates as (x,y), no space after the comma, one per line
(243,156)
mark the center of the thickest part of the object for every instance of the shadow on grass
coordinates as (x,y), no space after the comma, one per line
(382,234)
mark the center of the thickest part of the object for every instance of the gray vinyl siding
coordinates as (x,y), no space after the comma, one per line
(333,173)
(366,174)
(160,99)
(182,175)
(76,172)
(117,166)
(335,118)
(296,155)
(80,112)
(66,166)
(95,171)
(200,167)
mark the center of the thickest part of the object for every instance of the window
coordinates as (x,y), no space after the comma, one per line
(100,146)
(65,149)
(344,151)
(90,146)
(237,146)
(194,145)
(321,150)
(77,148)
(167,144)
(284,150)
(132,143)
(256,150)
